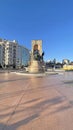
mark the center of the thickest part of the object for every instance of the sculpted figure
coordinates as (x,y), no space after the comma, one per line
(37,56)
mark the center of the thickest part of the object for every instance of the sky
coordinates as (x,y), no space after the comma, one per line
(48,20)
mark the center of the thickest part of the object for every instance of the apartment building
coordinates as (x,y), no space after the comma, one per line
(2,52)
(12,54)
(1,55)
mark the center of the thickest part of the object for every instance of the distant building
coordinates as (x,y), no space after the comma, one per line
(65,61)
(68,67)
(71,63)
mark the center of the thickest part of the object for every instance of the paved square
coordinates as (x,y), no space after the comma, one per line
(36,103)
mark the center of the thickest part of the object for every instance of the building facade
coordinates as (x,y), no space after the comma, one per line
(1,49)
(23,56)
(2,52)
(65,61)
(12,54)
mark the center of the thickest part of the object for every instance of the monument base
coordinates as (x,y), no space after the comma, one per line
(36,67)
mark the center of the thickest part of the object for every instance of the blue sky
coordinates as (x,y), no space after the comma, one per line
(49,20)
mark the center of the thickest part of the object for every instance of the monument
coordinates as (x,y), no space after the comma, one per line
(36,61)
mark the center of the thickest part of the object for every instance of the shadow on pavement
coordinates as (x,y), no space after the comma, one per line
(19,123)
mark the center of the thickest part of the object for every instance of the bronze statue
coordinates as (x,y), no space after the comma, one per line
(37,56)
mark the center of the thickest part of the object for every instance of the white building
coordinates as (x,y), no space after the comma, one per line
(65,61)
(12,54)
(1,55)
(2,52)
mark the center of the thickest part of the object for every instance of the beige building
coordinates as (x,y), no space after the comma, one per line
(68,67)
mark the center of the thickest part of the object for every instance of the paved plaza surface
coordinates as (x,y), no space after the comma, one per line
(36,103)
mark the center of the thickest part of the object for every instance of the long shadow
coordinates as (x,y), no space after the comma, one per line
(30,101)
(13,107)
(43,105)
(62,108)
(2,125)
(37,109)
(19,123)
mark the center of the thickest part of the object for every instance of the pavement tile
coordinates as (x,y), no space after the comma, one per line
(36,103)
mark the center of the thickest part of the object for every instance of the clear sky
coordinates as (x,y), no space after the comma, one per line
(49,20)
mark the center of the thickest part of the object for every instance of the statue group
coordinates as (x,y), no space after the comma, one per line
(37,55)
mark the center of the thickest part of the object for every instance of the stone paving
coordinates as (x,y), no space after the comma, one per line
(36,103)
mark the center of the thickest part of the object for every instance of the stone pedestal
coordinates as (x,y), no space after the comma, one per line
(36,67)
